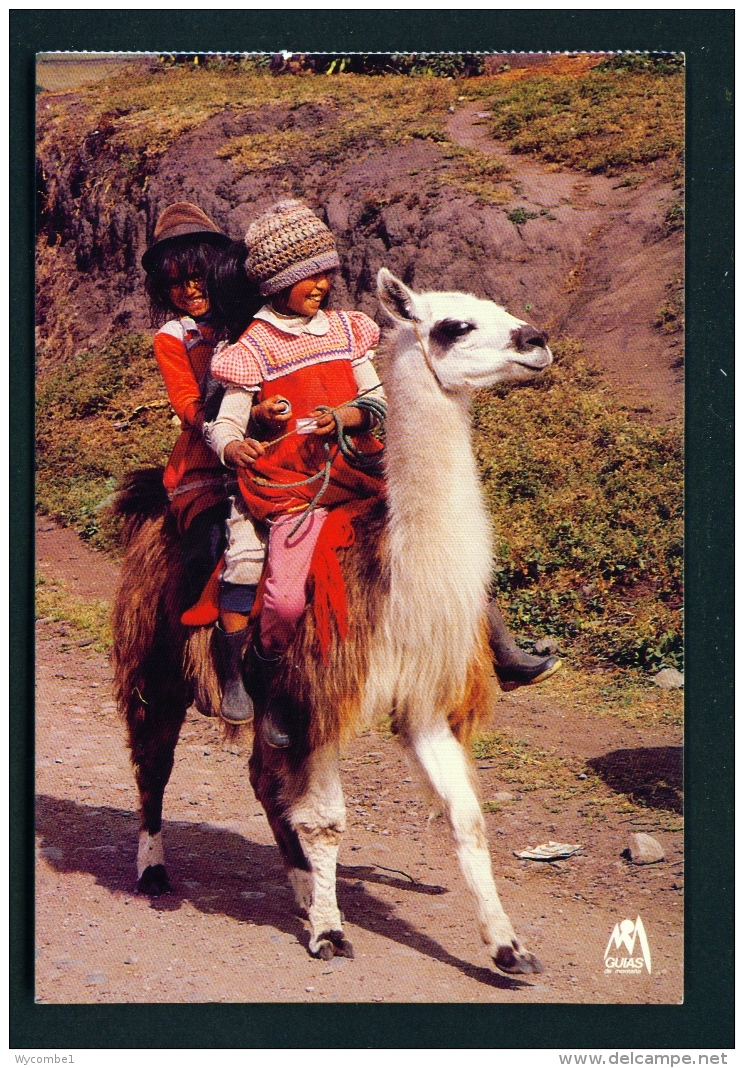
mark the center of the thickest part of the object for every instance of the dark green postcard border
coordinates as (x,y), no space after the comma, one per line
(706,1017)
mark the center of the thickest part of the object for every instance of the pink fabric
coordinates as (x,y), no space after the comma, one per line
(284,596)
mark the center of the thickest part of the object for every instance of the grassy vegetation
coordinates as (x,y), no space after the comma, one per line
(90,618)
(587,506)
(146,112)
(626,696)
(606,119)
(603,118)
(674,217)
(527,766)
(80,452)
(644,798)
(670,315)
(363,111)
(128,121)
(484,177)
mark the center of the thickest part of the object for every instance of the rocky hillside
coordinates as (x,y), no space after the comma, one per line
(406,173)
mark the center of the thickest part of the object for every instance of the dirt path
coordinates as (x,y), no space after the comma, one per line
(229,932)
(618,265)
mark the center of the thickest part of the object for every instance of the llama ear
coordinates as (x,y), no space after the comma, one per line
(396,299)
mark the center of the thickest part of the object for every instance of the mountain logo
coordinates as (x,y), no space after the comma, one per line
(621,955)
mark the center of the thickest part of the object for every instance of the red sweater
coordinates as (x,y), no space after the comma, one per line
(193,476)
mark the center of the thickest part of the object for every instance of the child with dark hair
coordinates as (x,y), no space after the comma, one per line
(186,245)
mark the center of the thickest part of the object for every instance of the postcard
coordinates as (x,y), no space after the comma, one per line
(360,395)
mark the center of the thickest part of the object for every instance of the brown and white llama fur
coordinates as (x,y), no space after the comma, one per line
(416,579)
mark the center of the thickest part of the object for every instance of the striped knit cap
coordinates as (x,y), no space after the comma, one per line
(287,244)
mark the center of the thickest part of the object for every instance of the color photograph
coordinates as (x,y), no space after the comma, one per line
(359,527)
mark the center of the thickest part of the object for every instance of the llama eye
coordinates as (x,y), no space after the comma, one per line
(449,330)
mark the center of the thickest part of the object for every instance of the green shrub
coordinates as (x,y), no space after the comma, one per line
(101,414)
(674,217)
(519,216)
(587,507)
(658,62)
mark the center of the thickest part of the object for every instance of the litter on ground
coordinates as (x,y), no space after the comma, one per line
(549,851)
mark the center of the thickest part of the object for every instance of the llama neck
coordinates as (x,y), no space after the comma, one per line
(434,495)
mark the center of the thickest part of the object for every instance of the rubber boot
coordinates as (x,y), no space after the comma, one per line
(513,666)
(274,724)
(237,706)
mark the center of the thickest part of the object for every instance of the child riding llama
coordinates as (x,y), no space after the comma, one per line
(406,632)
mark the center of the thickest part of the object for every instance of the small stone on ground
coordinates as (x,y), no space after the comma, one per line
(669,679)
(644,849)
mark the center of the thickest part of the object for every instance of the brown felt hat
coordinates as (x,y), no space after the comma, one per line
(182,220)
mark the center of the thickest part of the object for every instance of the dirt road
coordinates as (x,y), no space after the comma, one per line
(229,932)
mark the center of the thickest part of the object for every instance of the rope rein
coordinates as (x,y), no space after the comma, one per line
(345,404)
(357,458)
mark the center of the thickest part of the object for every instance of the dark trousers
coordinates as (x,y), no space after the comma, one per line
(202,546)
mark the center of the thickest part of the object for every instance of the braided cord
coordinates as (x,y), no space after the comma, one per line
(364,461)
(354,457)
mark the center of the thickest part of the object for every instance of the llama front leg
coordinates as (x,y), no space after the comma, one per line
(304,804)
(319,820)
(445,766)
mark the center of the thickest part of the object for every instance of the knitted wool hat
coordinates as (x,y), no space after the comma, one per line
(181,220)
(287,244)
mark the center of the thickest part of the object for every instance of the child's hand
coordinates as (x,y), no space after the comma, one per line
(243,453)
(273,412)
(351,419)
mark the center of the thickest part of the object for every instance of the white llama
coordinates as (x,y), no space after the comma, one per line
(427,653)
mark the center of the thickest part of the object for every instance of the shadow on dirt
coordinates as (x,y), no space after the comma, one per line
(226,873)
(651,777)
(378,874)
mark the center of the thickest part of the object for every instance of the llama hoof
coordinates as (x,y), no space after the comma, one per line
(516,961)
(154,881)
(332,944)
(325,951)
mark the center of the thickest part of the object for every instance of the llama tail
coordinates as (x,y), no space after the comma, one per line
(149,639)
(140,496)
(152,649)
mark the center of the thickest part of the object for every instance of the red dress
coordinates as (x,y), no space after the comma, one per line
(309,370)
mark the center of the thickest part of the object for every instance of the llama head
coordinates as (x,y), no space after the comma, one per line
(467,343)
